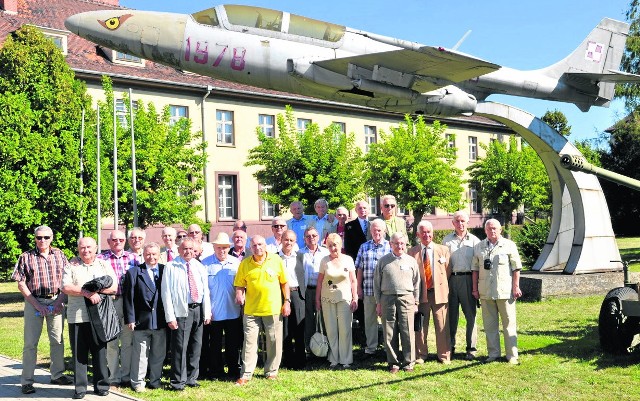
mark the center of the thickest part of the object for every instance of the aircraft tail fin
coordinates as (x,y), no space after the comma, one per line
(599,54)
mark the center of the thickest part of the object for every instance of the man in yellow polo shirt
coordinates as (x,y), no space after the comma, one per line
(260,283)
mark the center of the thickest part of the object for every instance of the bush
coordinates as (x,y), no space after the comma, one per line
(530,240)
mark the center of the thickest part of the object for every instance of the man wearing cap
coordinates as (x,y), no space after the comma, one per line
(39,276)
(226,315)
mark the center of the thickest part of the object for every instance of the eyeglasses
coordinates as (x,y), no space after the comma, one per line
(389,206)
(341,215)
(279,226)
(43,237)
(311,236)
(182,236)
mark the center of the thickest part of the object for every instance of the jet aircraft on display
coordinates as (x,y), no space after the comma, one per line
(285,52)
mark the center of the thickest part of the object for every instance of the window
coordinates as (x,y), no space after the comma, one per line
(177,112)
(128,58)
(121,58)
(476,206)
(370,136)
(342,127)
(267,209)
(473,148)
(451,142)
(58,37)
(266,122)
(224,126)
(374,203)
(303,123)
(227,196)
(122,112)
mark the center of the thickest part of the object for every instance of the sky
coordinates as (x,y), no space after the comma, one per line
(518,34)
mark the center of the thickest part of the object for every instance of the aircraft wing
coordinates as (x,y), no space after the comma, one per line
(609,76)
(424,70)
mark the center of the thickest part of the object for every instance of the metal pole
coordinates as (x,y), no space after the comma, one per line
(81,233)
(115,166)
(133,161)
(99,214)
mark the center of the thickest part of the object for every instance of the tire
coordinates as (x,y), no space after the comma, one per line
(615,329)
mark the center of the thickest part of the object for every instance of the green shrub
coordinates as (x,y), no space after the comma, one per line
(530,240)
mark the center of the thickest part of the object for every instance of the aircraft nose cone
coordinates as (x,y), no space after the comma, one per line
(73,23)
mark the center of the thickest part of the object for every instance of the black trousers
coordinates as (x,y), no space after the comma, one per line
(84,342)
(293,349)
(186,344)
(232,332)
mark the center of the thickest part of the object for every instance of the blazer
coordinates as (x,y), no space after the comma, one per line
(142,300)
(354,237)
(440,271)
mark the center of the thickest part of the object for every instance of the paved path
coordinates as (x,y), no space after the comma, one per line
(10,388)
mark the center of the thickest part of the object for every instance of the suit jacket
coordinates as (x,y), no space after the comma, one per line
(163,254)
(142,302)
(440,271)
(354,237)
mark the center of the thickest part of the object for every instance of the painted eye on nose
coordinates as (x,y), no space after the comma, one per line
(114,22)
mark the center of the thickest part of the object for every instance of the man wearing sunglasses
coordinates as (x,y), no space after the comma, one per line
(274,243)
(39,276)
(194,231)
(389,208)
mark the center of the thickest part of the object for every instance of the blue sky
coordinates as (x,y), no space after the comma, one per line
(517,34)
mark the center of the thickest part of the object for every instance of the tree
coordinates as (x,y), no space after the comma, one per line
(558,121)
(414,163)
(308,165)
(40,108)
(508,178)
(589,151)
(623,157)
(630,92)
(169,164)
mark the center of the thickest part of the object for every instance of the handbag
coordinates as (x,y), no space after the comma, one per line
(319,344)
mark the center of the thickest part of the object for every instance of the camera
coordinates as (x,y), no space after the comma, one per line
(487,264)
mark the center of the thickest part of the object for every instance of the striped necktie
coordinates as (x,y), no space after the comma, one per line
(193,288)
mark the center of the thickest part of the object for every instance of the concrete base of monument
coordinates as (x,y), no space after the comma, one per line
(537,286)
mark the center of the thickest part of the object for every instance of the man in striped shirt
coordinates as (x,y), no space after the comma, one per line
(39,276)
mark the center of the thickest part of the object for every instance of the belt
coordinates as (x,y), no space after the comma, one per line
(461,273)
(311,287)
(48,296)
(193,305)
(293,288)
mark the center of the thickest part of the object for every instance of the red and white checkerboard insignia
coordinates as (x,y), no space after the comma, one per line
(594,51)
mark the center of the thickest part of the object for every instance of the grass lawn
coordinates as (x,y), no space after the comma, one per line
(630,249)
(560,360)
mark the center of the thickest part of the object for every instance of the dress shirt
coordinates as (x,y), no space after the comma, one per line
(290,267)
(221,275)
(311,262)
(120,264)
(367,259)
(298,226)
(461,251)
(78,274)
(175,288)
(41,273)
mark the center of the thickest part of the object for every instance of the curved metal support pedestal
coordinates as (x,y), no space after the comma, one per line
(581,239)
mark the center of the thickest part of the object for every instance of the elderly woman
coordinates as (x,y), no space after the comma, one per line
(337,297)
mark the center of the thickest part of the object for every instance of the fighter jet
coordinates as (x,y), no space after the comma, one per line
(286,52)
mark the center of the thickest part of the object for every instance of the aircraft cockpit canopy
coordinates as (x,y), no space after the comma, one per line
(272,20)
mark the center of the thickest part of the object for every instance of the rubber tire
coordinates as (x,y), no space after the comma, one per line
(615,329)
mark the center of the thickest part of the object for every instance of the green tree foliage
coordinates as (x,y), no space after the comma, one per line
(40,108)
(169,164)
(590,152)
(413,163)
(558,121)
(630,92)
(308,165)
(623,157)
(531,239)
(509,177)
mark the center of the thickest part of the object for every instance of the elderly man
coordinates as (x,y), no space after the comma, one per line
(194,231)
(187,306)
(496,269)
(239,248)
(307,270)
(299,222)
(395,287)
(136,239)
(342,214)
(119,350)
(294,352)
(357,232)
(260,283)
(367,259)
(226,321)
(460,244)
(274,243)
(144,315)
(170,249)
(433,260)
(389,208)
(180,235)
(81,335)
(324,223)
(39,276)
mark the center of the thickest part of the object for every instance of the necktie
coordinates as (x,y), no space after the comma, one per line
(169,255)
(193,289)
(364,227)
(154,272)
(426,263)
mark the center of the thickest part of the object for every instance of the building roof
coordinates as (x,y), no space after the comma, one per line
(89,61)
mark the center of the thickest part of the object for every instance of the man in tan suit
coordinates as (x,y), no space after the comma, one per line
(433,263)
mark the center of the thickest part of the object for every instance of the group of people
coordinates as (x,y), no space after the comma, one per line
(203,305)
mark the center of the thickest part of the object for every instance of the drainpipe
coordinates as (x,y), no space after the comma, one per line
(204,139)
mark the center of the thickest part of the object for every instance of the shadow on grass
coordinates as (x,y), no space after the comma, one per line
(19,313)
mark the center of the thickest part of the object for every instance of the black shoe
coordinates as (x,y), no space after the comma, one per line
(78,396)
(171,388)
(62,381)
(194,384)
(102,393)
(28,389)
